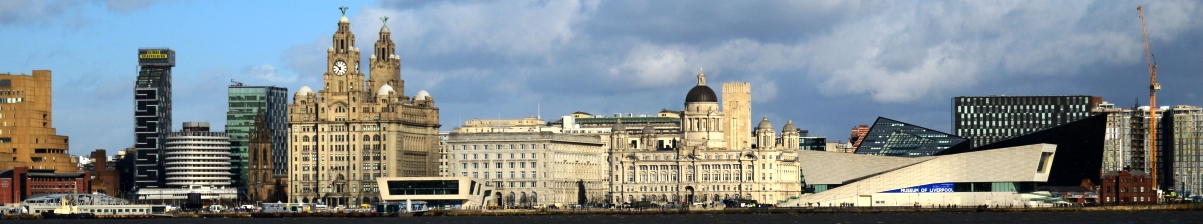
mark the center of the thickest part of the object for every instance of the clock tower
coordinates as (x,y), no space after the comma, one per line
(342,73)
(355,129)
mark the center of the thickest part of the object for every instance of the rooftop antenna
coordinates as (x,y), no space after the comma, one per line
(235,83)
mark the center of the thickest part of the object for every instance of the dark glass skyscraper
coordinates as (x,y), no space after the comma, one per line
(244,104)
(890,137)
(988,119)
(152,115)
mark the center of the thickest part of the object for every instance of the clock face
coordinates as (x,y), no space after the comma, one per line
(340,67)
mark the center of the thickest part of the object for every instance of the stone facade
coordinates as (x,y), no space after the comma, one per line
(650,165)
(531,168)
(261,182)
(737,103)
(27,132)
(355,129)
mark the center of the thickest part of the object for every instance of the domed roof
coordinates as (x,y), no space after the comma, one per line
(343,20)
(618,126)
(422,94)
(647,130)
(701,94)
(789,127)
(384,29)
(764,124)
(385,90)
(305,90)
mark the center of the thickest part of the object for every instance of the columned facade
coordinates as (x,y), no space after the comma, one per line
(702,169)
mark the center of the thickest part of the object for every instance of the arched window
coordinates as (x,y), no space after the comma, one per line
(365,138)
(376,138)
(305,138)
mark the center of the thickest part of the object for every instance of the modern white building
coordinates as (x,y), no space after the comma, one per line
(197,161)
(196,157)
(1003,177)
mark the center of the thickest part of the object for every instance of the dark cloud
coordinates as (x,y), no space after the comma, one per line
(827,65)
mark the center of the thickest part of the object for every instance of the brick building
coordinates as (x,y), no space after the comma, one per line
(20,183)
(1127,187)
(106,179)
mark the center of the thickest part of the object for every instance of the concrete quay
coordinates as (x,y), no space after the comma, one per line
(790,210)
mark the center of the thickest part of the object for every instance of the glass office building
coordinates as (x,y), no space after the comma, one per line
(988,119)
(890,137)
(244,104)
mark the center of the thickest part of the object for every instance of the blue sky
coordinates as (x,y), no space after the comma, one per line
(826,65)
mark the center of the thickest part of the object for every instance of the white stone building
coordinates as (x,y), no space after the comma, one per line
(530,168)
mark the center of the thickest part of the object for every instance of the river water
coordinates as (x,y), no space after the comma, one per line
(986,217)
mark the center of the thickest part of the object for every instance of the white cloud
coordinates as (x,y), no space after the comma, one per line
(526,29)
(267,72)
(652,66)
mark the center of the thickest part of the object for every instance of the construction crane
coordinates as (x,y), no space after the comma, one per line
(1153,87)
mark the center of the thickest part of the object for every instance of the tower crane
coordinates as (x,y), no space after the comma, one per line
(1153,87)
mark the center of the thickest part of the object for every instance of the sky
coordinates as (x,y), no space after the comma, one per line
(826,65)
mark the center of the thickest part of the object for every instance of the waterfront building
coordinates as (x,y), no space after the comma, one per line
(531,168)
(1079,143)
(526,124)
(27,132)
(197,161)
(105,179)
(245,103)
(357,128)
(1142,153)
(152,115)
(439,192)
(1184,156)
(987,119)
(1127,187)
(192,157)
(995,177)
(20,183)
(443,150)
(889,137)
(690,161)
(1117,141)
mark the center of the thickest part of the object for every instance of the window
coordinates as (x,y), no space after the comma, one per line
(1045,162)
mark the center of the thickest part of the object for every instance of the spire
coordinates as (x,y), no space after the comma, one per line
(701,77)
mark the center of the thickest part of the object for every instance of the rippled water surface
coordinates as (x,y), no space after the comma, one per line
(988,217)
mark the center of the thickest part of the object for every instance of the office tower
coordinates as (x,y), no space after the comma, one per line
(988,119)
(245,103)
(152,114)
